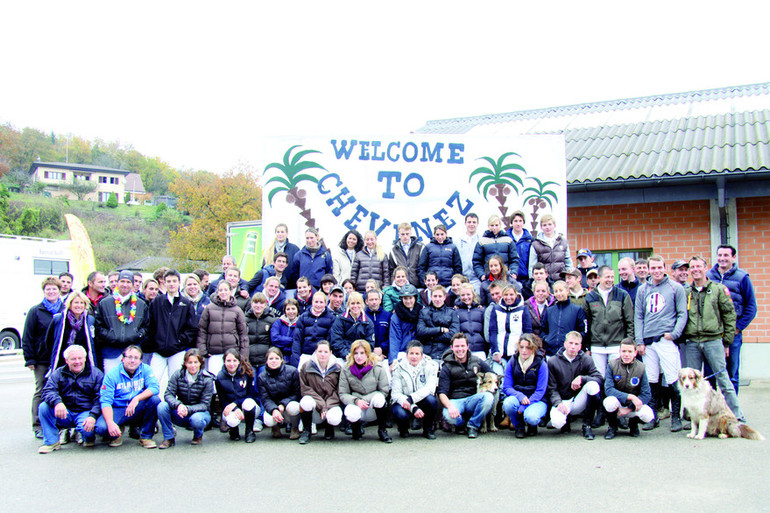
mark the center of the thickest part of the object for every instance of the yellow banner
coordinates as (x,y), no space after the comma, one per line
(83,254)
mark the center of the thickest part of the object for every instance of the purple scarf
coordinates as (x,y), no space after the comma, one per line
(359,371)
(76,325)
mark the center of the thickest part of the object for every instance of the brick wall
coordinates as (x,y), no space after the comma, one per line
(679,230)
(753,241)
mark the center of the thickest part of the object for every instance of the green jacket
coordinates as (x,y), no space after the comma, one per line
(711,314)
(608,324)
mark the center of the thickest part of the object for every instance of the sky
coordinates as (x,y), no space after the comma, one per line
(200,85)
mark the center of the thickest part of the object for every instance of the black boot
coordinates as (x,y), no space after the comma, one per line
(234,434)
(676,404)
(382,424)
(612,425)
(598,419)
(654,403)
(356,430)
(249,417)
(307,423)
(588,416)
(328,431)
(633,426)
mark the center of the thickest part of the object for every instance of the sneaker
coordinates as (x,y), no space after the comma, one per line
(147,443)
(651,425)
(258,426)
(117,441)
(304,438)
(197,441)
(64,436)
(78,438)
(88,443)
(473,432)
(45,449)
(664,413)
(165,444)
(39,434)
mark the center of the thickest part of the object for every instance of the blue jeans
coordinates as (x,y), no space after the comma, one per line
(169,417)
(532,412)
(734,361)
(429,406)
(713,352)
(50,424)
(476,406)
(145,416)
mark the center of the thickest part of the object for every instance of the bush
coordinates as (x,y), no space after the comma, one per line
(112,201)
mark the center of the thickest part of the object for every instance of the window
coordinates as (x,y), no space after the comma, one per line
(114,180)
(612,258)
(104,196)
(50,267)
(85,178)
(54,175)
(102,179)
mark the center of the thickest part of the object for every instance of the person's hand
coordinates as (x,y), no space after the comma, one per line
(727,351)
(277,416)
(636,401)
(577,383)
(453,412)
(60,411)
(525,401)
(31,367)
(323,415)
(228,409)
(113,429)
(668,336)
(244,294)
(641,347)
(362,404)
(563,408)
(239,414)
(131,408)
(88,424)
(624,410)
(405,405)
(418,413)
(378,351)
(497,357)
(181,410)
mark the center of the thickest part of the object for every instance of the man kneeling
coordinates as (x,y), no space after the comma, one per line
(573,385)
(457,387)
(627,390)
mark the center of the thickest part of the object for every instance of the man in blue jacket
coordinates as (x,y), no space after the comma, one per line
(129,394)
(741,290)
(70,400)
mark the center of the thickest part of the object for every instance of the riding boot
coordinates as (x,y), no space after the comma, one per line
(676,405)
(382,424)
(612,425)
(307,422)
(357,430)
(248,418)
(654,403)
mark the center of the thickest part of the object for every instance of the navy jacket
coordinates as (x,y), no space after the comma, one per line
(559,319)
(257,283)
(313,267)
(443,259)
(173,328)
(235,389)
(33,339)
(381,320)
(345,330)
(278,386)
(310,329)
(429,326)
(472,324)
(522,249)
(78,393)
(741,290)
(490,244)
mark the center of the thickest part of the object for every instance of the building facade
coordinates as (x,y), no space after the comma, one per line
(91,183)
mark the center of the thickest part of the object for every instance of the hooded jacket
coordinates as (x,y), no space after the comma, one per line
(659,309)
(413,382)
(523,246)
(282,334)
(367,266)
(321,386)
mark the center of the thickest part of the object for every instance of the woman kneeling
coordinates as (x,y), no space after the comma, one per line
(363,389)
(279,394)
(319,377)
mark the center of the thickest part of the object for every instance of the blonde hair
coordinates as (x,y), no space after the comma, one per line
(76,294)
(405,226)
(546,218)
(377,248)
(355,297)
(268,254)
(371,358)
(468,286)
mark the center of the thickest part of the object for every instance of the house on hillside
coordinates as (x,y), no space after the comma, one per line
(134,188)
(672,174)
(59,178)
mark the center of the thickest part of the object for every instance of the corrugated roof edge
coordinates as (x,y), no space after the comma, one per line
(653,178)
(619,104)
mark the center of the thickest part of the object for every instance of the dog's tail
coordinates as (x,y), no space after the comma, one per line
(747,432)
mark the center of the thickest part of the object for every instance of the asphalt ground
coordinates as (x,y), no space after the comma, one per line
(660,471)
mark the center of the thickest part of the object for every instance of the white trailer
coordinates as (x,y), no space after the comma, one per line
(24,263)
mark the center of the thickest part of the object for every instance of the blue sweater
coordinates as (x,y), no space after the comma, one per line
(559,319)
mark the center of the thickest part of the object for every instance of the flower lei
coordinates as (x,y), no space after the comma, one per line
(119,310)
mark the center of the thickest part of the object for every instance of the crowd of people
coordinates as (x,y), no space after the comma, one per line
(324,339)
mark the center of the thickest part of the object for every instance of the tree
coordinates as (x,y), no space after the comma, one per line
(294,172)
(80,188)
(212,201)
(500,179)
(539,196)
(112,201)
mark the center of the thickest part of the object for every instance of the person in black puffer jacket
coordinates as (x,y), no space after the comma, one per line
(279,393)
(471,317)
(437,324)
(236,388)
(440,256)
(187,400)
(353,325)
(259,319)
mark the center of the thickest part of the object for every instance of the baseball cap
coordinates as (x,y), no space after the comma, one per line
(574,272)
(585,252)
(679,263)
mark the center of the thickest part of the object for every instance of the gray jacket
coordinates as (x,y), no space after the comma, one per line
(415,382)
(659,309)
(351,388)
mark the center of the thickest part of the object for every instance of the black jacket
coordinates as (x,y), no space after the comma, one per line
(113,334)
(36,352)
(458,380)
(259,335)
(196,395)
(279,386)
(234,389)
(429,326)
(78,393)
(173,328)
(561,372)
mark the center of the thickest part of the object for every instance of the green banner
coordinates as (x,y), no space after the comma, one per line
(244,243)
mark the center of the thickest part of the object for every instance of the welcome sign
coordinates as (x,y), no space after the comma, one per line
(336,184)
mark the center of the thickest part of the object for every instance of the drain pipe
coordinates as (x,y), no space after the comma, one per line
(721,204)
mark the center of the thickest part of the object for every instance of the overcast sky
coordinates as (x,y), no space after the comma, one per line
(198,84)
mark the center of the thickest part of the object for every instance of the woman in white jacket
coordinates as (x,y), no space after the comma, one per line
(344,254)
(413,390)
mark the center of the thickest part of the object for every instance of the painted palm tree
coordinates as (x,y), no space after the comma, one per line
(500,178)
(538,198)
(294,172)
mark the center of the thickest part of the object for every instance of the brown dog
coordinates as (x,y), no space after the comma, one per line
(708,410)
(489,382)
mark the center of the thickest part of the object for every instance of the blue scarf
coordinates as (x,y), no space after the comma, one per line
(53,308)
